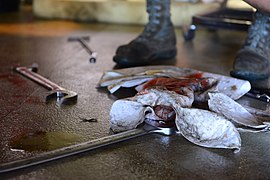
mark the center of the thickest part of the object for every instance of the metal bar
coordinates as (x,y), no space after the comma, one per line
(75,149)
(38,78)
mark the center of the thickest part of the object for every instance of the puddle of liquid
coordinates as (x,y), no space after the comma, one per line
(43,141)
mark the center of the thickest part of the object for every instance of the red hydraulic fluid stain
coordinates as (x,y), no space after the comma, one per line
(15,91)
(196,75)
(34,100)
(13,79)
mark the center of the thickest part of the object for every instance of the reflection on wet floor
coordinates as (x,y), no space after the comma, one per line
(43,141)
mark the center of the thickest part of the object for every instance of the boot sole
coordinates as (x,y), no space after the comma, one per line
(249,65)
(165,55)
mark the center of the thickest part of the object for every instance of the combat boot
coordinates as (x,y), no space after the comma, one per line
(157,41)
(252,61)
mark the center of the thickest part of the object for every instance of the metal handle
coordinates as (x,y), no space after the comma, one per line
(38,78)
(83,147)
(71,150)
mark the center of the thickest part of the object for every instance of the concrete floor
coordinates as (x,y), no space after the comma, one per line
(25,40)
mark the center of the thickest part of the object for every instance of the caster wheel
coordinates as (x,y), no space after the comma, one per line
(189,33)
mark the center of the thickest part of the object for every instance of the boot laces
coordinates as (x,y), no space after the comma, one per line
(154,21)
(259,34)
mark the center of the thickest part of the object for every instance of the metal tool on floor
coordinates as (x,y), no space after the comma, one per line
(84,147)
(62,95)
(263,95)
(82,41)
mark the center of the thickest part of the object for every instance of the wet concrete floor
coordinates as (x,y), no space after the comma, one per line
(27,121)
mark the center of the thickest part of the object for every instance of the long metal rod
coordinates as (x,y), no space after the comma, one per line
(73,150)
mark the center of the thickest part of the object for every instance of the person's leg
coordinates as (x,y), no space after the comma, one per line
(157,41)
(252,61)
